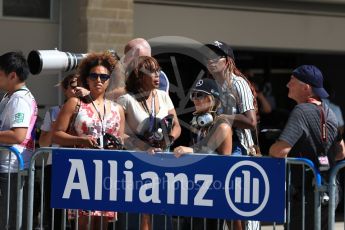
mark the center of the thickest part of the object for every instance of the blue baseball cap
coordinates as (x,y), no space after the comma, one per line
(312,76)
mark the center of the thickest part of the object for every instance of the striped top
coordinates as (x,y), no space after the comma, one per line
(238,98)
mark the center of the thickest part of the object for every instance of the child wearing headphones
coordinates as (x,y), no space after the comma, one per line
(210,135)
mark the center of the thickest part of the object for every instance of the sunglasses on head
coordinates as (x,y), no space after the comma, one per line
(102,76)
(198,95)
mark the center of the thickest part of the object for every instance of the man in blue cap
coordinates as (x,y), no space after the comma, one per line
(311,132)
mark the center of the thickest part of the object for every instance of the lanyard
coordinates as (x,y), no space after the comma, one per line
(323,124)
(100,117)
(322,121)
(152,114)
(322,118)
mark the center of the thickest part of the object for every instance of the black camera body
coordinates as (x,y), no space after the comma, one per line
(159,137)
(110,142)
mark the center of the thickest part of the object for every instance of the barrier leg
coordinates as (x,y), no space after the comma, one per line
(288,197)
(42,200)
(63,224)
(317,208)
(332,186)
(31,195)
(8,199)
(331,205)
(19,214)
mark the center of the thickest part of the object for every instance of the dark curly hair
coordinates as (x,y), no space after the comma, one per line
(136,70)
(92,60)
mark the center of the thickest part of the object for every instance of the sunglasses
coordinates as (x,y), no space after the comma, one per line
(102,76)
(197,95)
(214,58)
(73,84)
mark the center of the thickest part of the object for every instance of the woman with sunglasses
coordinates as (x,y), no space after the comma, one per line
(68,85)
(144,106)
(239,106)
(94,118)
(210,135)
(238,96)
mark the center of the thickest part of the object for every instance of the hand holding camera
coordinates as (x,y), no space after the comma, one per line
(109,141)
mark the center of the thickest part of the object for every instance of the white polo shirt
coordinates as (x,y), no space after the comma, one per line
(18,110)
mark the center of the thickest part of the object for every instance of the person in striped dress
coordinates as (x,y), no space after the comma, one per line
(238,100)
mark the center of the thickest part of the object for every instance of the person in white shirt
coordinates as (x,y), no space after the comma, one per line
(18,113)
(144,105)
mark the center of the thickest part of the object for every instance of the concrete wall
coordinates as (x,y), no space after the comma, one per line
(86,26)
(243,28)
(22,35)
(102,24)
(96,25)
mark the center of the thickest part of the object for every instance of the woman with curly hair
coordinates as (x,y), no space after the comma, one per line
(92,119)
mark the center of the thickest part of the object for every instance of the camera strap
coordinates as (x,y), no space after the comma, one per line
(323,127)
(322,160)
(323,124)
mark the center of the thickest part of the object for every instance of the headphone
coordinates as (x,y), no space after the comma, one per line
(202,120)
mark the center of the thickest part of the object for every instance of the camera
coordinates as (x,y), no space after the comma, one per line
(53,60)
(50,61)
(109,141)
(160,137)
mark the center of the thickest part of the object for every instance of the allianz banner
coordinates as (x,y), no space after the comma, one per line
(193,185)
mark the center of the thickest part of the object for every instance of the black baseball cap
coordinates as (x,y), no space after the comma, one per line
(207,86)
(312,76)
(221,48)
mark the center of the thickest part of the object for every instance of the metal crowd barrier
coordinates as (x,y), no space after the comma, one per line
(306,164)
(19,204)
(127,219)
(332,185)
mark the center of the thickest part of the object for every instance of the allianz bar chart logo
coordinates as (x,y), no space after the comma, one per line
(247,188)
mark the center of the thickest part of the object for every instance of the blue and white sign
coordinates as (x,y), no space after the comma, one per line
(247,188)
